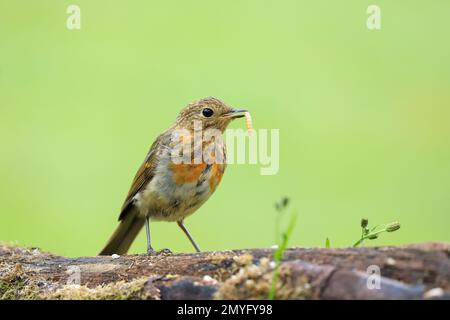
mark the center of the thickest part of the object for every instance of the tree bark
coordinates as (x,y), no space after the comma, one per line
(409,272)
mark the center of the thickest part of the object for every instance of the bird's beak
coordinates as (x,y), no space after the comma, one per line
(235,113)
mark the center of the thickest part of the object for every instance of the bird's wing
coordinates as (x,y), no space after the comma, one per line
(142,177)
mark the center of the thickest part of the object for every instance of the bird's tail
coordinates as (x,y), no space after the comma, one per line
(124,235)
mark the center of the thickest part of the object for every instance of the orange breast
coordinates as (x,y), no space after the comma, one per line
(216,175)
(186,172)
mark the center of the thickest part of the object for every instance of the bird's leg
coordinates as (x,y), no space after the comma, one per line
(147,229)
(181,225)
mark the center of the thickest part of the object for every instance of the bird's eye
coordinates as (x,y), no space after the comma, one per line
(207,112)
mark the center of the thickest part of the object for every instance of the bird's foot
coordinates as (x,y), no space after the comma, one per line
(153,252)
(164,251)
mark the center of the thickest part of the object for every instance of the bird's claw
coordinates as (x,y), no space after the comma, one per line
(152,252)
(164,251)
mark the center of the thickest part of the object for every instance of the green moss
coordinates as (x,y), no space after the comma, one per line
(255,282)
(16,284)
(120,290)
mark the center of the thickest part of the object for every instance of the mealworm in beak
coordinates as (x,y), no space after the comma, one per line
(248,121)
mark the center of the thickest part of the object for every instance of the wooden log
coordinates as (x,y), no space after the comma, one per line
(408,272)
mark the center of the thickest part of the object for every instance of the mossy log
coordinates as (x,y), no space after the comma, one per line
(409,272)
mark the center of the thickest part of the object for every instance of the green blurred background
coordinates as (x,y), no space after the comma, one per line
(363,116)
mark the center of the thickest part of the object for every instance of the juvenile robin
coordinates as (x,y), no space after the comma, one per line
(179,173)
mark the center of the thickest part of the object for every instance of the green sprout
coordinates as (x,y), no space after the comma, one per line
(373,233)
(327,243)
(280,207)
(278,254)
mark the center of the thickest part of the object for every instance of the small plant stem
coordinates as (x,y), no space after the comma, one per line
(367,236)
(278,256)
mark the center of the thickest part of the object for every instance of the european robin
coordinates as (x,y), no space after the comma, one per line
(168,189)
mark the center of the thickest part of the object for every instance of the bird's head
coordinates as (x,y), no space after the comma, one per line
(210,112)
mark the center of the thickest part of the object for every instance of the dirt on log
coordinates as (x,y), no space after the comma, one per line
(419,271)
